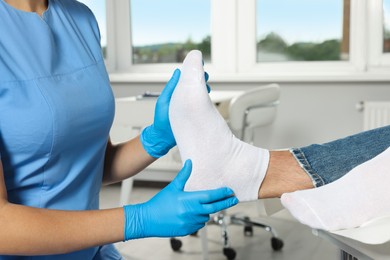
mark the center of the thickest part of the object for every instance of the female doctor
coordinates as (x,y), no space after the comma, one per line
(56,110)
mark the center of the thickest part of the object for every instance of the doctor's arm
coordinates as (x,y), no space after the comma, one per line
(172,212)
(125,160)
(33,231)
(129,158)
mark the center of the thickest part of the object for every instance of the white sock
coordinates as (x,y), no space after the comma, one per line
(219,159)
(359,196)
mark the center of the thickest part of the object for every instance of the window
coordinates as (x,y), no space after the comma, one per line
(302,30)
(99,10)
(378,42)
(386,25)
(164,31)
(249,40)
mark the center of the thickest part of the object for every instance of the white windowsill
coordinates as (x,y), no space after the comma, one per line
(372,76)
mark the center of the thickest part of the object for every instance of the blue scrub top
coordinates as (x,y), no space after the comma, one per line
(56,110)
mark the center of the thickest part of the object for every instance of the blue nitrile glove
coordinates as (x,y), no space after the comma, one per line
(157,139)
(206,76)
(174,212)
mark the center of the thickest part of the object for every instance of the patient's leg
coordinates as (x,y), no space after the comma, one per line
(359,196)
(202,135)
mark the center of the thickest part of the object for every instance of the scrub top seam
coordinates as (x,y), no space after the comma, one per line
(59,75)
(52,143)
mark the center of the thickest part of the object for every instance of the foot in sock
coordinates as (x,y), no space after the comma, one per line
(361,195)
(219,159)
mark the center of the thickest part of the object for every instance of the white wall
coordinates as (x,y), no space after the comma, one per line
(308,112)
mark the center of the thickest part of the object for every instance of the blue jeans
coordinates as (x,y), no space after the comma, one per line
(325,163)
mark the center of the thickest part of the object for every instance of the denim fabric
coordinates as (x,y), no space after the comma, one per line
(325,163)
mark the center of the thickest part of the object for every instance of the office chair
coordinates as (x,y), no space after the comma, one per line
(252,109)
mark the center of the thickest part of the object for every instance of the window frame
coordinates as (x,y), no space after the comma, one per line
(377,58)
(233,51)
(247,48)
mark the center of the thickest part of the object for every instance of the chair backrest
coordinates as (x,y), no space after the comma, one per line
(131,116)
(254,108)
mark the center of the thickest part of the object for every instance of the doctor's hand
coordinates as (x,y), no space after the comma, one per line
(173,212)
(157,139)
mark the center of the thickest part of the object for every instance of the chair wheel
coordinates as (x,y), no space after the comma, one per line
(230,253)
(248,231)
(248,228)
(276,243)
(176,244)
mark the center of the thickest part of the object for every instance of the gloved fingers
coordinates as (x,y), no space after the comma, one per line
(190,229)
(209,196)
(206,76)
(197,227)
(219,205)
(167,92)
(182,177)
(204,218)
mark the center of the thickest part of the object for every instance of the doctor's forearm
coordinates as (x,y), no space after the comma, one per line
(32,231)
(125,160)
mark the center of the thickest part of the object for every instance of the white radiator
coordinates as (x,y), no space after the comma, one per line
(376,114)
